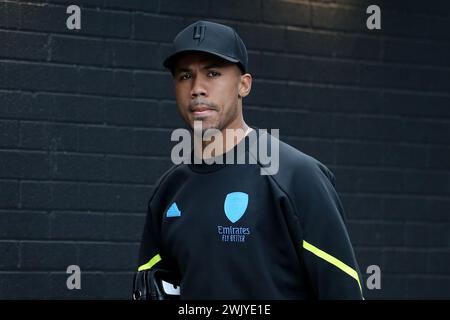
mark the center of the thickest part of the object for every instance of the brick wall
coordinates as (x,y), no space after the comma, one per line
(86,116)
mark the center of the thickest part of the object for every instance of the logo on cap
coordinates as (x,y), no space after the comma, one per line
(199,33)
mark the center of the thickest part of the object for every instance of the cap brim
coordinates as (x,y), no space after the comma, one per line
(170,61)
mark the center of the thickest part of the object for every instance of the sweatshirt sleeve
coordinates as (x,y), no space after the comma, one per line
(327,252)
(149,253)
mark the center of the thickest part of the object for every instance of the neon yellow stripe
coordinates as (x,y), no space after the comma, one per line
(336,262)
(151,263)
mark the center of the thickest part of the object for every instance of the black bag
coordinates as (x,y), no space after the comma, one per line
(152,284)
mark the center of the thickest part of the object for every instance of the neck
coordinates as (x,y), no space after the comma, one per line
(230,137)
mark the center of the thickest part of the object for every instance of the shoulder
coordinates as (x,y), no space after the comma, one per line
(170,178)
(297,167)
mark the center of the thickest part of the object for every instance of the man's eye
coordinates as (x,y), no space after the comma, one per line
(185,76)
(213,74)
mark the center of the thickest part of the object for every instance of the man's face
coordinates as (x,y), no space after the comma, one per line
(207,89)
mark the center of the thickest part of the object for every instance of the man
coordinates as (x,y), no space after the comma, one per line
(226,231)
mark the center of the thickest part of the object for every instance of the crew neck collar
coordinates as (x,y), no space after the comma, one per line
(214,163)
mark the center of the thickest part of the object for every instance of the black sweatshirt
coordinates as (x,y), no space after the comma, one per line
(231,233)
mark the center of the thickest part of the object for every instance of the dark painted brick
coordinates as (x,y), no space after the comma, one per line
(404,261)
(170,117)
(423,27)
(234,9)
(439,7)
(439,158)
(153,85)
(289,13)
(79,51)
(405,156)
(401,77)
(335,72)
(138,170)
(346,125)
(429,53)
(353,153)
(78,167)
(427,131)
(133,54)
(66,196)
(427,182)
(323,150)
(150,5)
(41,77)
(126,227)
(50,195)
(106,139)
(288,122)
(427,235)
(308,42)
(350,46)
(381,128)
(260,37)
(263,93)
(360,206)
(369,180)
(428,288)
(9,133)
(153,142)
(39,136)
(18,284)
(150,27)
(45,255)
(36,17)
(184,8)
(377,233)
(47,106)
(77,226)
(92,286)
(367,257)
(320,124)
(24,224)
(415,104)
(17,45)
(105,23)
(438,260)
(112,198)
(9,194)
(101,81)
(282,67)
(35,195)
(29,165)
(338,18)
(108,256)
(132,112)
(415,209)
(82,3)
(119,285)
(344,100)
(10,255)
(3,14)
(73,108)
(392,287)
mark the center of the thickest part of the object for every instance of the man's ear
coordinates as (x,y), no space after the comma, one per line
(245,85)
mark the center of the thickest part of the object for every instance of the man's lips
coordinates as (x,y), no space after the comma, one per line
(202,110)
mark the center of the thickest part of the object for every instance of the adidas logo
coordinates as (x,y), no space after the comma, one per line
(173,211)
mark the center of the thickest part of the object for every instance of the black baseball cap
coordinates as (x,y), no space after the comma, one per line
(214,38)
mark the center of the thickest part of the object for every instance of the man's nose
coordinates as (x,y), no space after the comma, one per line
(198,88)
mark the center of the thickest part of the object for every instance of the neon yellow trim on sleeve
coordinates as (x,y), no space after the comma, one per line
(336,262)
(151,263)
